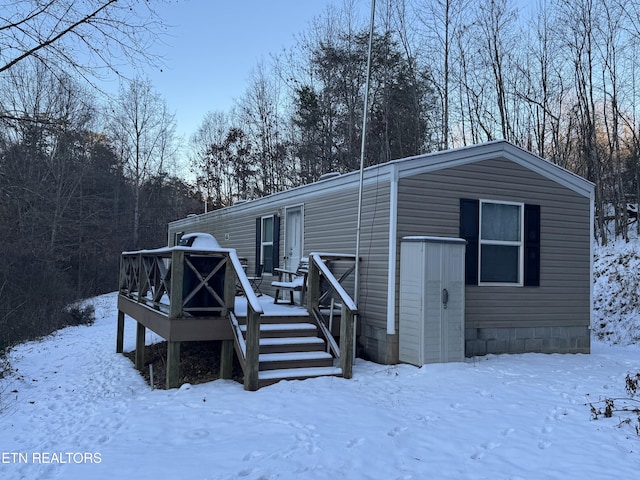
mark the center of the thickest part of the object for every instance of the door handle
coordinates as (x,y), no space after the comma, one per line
(445,297)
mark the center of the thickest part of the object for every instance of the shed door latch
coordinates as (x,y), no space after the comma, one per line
(445,297)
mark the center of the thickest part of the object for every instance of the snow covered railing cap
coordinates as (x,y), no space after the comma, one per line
(163,250)
(428,239)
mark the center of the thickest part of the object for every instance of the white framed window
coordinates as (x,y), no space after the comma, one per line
(266,244)
(501,252)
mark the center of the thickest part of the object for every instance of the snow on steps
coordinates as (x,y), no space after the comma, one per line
(279,330)
(269,377)
(299,360)
(291,344)
(291,349)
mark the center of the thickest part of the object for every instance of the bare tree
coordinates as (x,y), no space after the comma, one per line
(143,134)
(544,88)
(610,46)
(496,20)
(631,116)
(580,20)
(85,36)
(443,22)
(54,113)
(48,165)
(207,161)
(261,116)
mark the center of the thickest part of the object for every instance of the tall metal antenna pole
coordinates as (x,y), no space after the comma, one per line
(362,152)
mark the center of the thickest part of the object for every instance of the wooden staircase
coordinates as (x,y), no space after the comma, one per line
(290,348)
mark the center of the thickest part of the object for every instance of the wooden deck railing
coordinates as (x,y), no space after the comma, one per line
(248,350)
(179,284)
(319,270)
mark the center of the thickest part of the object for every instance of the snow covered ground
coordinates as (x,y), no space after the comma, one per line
(75,410)
(616,312)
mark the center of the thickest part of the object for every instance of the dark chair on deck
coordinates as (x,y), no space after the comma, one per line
(256,280)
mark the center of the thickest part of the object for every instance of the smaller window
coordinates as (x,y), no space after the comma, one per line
(266,244)
(501,245)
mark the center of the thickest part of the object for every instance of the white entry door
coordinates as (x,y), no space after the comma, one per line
(293,237)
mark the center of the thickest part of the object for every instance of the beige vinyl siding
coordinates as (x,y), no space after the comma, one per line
(330,215)
(330,226)
(429,205)
(429,192)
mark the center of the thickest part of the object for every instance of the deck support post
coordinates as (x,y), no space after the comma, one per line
(313,287)
(173,364)
(175,314)
(120,333)
(140,333)
(227,349)
(251,374)
(226,359)
(177,277)
(346,342)
(230,279)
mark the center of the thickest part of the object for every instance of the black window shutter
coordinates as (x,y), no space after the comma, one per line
(469,230)
(532,245)
(276,241)
(258,244)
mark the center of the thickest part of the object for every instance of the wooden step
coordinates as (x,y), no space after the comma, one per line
(272,330)
(278,319)
(289,360)
(269,377)
(291,344)
(285,319)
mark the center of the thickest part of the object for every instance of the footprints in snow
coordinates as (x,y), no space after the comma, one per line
(545,443)
(197,434)
(358,442)
(507,431)
(484,448)
(396,431)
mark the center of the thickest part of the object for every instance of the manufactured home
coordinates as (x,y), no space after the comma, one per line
(511,232)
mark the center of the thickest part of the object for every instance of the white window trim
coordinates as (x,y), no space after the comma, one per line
(519,244)
(263,243)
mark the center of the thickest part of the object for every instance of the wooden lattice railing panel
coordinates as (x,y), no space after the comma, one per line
(181,282)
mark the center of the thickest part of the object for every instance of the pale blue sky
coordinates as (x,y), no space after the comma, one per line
(215,44)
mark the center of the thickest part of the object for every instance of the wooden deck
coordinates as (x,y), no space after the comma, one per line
(185,329)
(186,295)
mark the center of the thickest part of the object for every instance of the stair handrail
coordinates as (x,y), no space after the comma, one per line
(317,269)
(245,285)
(247,349)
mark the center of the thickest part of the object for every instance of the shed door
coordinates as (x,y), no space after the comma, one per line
(444,315)
(293,237)
(431,300)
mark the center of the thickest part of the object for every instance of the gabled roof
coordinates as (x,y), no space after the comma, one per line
(429,162)
(488,151)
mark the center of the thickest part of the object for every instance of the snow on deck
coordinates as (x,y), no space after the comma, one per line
(270,309)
